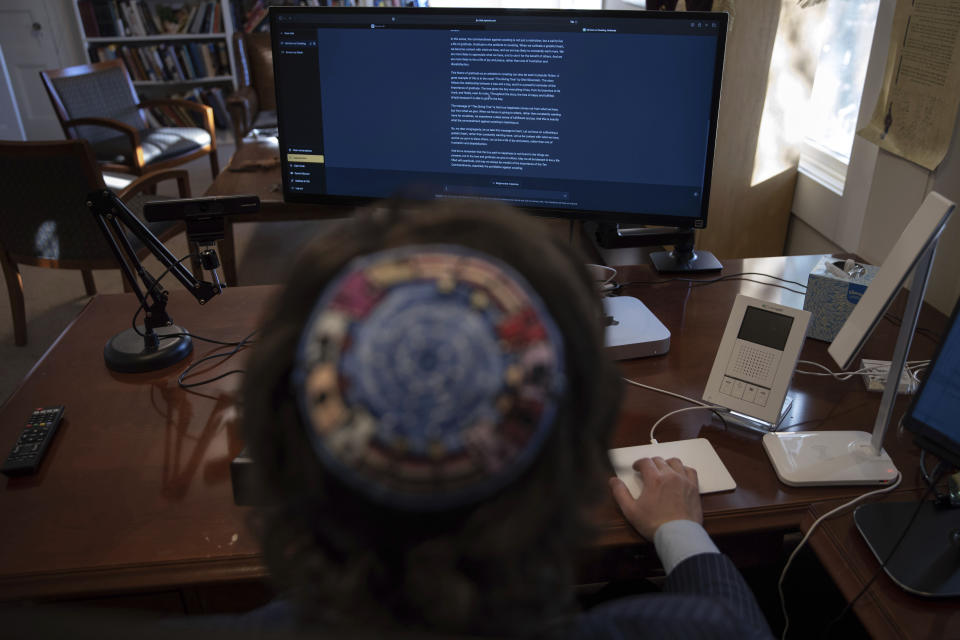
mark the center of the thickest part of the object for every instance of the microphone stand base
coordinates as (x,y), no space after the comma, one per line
(125,352)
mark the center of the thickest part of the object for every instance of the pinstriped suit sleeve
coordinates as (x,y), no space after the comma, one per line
(714,575)
(704,598)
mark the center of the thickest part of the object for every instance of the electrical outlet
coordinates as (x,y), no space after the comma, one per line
(876,380)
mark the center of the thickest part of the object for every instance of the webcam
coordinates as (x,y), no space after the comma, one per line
(203,216)
(209,207)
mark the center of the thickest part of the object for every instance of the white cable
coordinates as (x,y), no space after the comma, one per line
(838,375)
(846,375)
(675,411)
(610,270)
(699,404)
(665,392)
(813,527)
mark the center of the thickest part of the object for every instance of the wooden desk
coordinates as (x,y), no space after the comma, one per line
(696,316)
(255,170)
(886,610)
(135,492)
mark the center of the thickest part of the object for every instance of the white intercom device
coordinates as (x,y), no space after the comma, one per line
(756,358)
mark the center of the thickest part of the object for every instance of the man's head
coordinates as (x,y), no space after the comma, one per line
(429,407)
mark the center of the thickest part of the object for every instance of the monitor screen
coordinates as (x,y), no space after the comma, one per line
(606,115)
(933,413)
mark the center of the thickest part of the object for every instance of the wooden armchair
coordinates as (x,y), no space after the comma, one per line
(44,220)
(98,103)
(254,104)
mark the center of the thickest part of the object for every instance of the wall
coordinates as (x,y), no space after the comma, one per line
(943,291)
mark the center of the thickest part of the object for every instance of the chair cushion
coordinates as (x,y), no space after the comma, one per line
(158,145)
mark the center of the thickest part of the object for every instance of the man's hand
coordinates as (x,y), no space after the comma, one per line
(670,492)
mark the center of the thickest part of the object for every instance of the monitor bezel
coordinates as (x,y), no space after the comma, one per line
(644,218)
(926,436)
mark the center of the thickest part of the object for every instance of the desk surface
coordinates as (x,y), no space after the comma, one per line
(135,491)
(886,610)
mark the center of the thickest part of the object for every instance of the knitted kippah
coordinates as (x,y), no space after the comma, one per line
(428,376)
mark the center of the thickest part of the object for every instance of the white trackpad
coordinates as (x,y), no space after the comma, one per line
(697,453)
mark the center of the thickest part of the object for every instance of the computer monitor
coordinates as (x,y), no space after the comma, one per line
(932,415)
(927,562)
(595,115)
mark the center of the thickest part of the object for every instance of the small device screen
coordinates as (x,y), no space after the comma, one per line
(933,414)
(765,328)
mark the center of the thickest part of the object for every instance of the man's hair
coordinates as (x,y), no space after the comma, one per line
(502,565)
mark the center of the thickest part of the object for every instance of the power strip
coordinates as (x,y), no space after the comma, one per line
(876,381)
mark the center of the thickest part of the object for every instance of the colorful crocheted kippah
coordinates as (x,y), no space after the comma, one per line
(429,376)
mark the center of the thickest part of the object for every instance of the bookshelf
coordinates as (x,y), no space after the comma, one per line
(172,48)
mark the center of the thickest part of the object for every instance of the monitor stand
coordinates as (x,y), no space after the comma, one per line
(927,562)
(683,259)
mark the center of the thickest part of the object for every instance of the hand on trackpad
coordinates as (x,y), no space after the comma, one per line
(697,453)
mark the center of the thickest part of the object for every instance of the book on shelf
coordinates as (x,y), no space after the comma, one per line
(170,115)
(158,65)
(88,17)
(169,61)
(146,66)
(137,18)
(256,15)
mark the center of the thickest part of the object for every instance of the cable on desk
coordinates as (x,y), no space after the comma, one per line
(729,276)
(665,392)
(769,284)
(911,366)
(896,320)
(813,527)
(700,404)
(675,411)
(186,373)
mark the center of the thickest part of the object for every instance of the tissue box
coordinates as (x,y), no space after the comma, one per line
(831,297)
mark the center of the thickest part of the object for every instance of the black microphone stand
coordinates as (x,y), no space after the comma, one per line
(160,343)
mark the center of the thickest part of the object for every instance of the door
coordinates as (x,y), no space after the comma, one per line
(31,44)
(10,126)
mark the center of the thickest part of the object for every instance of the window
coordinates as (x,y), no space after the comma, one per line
(837,89)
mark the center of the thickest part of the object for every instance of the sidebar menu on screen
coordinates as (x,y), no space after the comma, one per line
(300,100)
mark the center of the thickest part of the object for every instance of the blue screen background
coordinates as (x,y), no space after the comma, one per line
(635,108)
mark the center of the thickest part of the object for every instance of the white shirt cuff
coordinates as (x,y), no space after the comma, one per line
(678,540)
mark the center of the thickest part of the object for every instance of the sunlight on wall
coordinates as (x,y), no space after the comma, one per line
(789,84)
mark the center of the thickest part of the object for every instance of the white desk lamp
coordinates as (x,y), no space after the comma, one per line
(808,458)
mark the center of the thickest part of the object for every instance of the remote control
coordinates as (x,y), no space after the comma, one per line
(27,453)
